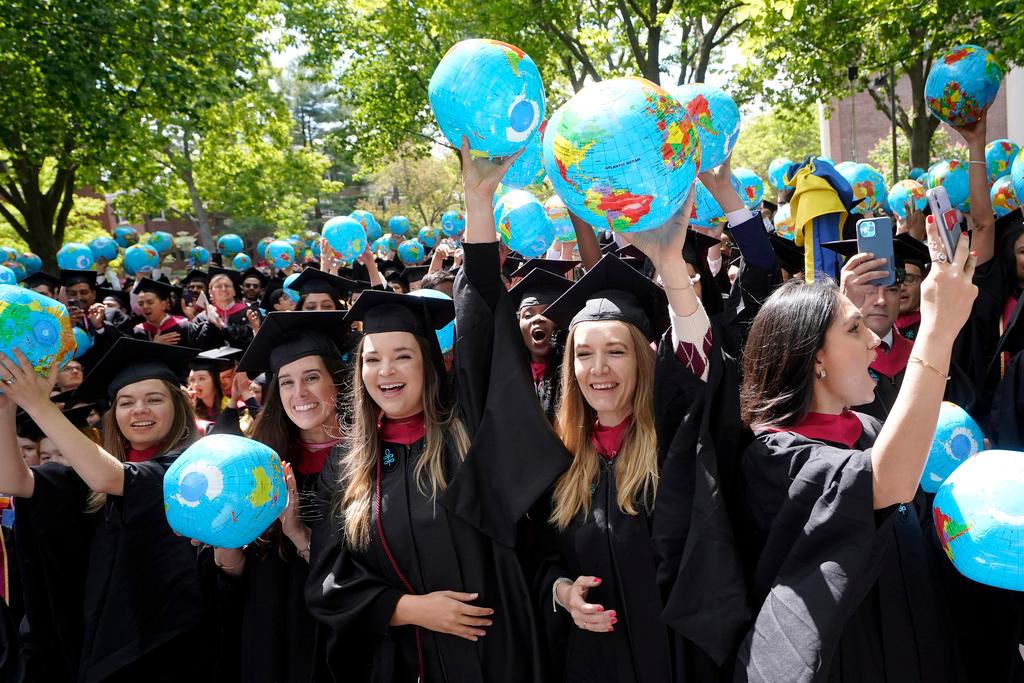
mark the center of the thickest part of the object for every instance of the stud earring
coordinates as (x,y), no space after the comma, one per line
(821,373)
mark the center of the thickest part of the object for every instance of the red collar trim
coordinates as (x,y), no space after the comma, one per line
(235,308)
(311,457)
(608,440)
(406,431)
(894,361)
(908,320)
(168,322)
(141,456)
(538,370)
(844,428)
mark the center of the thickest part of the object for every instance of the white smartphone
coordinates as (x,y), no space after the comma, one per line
(947,219)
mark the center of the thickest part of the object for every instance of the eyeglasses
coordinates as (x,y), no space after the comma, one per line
(73,368)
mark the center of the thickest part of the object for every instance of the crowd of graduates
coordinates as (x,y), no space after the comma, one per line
(674,459)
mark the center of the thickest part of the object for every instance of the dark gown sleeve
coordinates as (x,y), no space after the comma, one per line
(201,334)
(514,455)
(758,277)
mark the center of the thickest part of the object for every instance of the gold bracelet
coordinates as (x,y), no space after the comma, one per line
(922,362)
(978,162)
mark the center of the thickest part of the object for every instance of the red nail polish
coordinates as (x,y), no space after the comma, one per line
(600,609)
(597,580)
(974,253)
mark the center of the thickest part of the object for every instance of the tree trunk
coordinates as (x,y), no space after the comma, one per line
(198,209)
(44,215)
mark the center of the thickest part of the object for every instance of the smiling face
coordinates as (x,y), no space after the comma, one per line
(144,413)
(152,307)
(222,291)
(251,287)
(83,293)
(605,365)
(537,331)
(309,397)
(392,372)
(849,349)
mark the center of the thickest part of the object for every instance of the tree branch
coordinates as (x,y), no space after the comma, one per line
(631,35)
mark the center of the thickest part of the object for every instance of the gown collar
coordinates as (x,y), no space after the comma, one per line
(845,428)
(406,431)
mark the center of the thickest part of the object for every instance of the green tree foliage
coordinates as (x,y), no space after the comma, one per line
(943,146)
(781,132)
(420,188)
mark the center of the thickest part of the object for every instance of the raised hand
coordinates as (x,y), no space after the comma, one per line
(22,384)
(664,245)
(481,176)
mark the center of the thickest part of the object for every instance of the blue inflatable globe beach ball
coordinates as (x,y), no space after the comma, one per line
(445,335)
(370,225)
(224,490)
(777,173)
(491,93)
(241,262)
(261,247)
(916,173)
(867,184)
(199,256)
(622,154)
(999,155)
(907,192)
(501,191)
(7,276)
(453,222)
(19,270)
(717,118)
(140,258)
(785,224)
(844,167)
(280,254)
(292,293)
(979,518)
(962,83)
(751,187)
(957,437)
(384,244)
(31,262)
(528,169)
(1004,199)
(411,252)
(952,174)
(524,225)
(429,236)
(161,241)
(125,236)
(298,246)
(1017,176)
(706,211)
(230,244)
(346,236)
(83,342)
(399,225)
(74,256)
(36,324)
(103,248)
(8,253)
(558,214)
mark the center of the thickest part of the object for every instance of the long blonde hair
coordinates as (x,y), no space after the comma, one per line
(363,447)
(636,466)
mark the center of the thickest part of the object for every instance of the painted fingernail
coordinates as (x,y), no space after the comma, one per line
(963,234)
(597,580)
(599,608)
(611,628)
(613,614)
(614,620)
(974,253)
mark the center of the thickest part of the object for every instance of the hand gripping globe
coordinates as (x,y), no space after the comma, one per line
(74,256)
(199,256)
(751,187)
(370,225)
(490,93)
(411,252)
(706,211)
(904,193)
(31,262)
(528,169)
(524,225)
(1004,200)
(453,223)
(999,154)
(280,254)
(346,236)
(979,518)
(103,248)
(717,119)
(229,244)
(961,84)
(558,213)
(140,258)
(952,174)
(957,437)
(622,154)
(37,325)
(224,490)
(125,236)
(241,262)
(161,241)
(429,236)
(777,171)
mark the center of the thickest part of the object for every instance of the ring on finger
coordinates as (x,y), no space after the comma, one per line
(9,381)
(940,257)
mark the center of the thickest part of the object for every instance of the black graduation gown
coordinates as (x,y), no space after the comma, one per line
(114,595)
(842,592)
(237,332)
(464,540)
(101,343)
(197,333)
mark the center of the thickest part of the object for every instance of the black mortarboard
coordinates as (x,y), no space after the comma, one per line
(195,274)
(287,336)
(216,360)
(269,294)
(253,271)
(234,275)
(382,311)
(849,248)
(556,266)
(161,289)
(26,427)
(539,288)
(132,360)
(312,281)
(122,297)
(697,243)
(511,264)
(789,255)
(79,414)
(610,248)
(612,290)
(411,274)
(906,249)
(41,278)
(771,206)
(630,251)
(73,277)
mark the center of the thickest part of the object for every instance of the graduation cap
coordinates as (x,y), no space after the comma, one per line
(412,274)
(611,290)
(697,244)
(266,303)
(232,274)
(314,281)
(74,277)
(132,360)
(539,287)
(79,414)
(25,427)
(556,266)
(216,360)
(120,296)
(610,248)
(41,278)
(771,206)
(287,336)
(631,251)
(253,271)
(512,263)
(195,274)
(906,249)
(161,289)
(790,256)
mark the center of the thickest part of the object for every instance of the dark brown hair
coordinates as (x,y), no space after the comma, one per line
(778,360)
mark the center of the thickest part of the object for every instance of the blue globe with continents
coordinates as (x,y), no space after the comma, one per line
(8,253)
(751,187)
(199,256)
(622,154)
(292,293)
(489,92)
(411,252)
(1017,176)
(777,170)
(716,117)
(370,225)
(979,518)
(241,262)
(957,437)
(230,244)
(706,211)
(36,324)
(280,254)
(19,270)
(961,83)
(528,169)
(161,241)
(384,244)
(867,184)
(125,236)
(7,276)
(916,173)
(524,225)
(501,191)
(261,247)
(83,342)
(999,155)
(453,222)
(445,335)
(429,236)
(346,237)
(31,262)
(907,193)
(558,214)
(785,224)
(399,225)
(103,248)
(75,256)
(1004,199)
(952,174)
(224,490)
(140,258)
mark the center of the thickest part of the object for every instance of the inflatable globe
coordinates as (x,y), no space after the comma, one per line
(126,236)
(346,236)
(1017,176)
(224,490)
(280,254)
(74,256)
(429,236)
(384,244)
(1004,199)
(298,246)
(751,187)
(161,241)
(293,294)
(199,256)
(7,276)
(961,84)
(315,249)
(957,437)
(36,324)
(453,223)
(229,244)
(867,184)
(706,211)
(501,191)
(241,262)
(445,335)
(528,169)
(140,258)
(717,119)
(20,273)
(907,192)
(952,175)
(558,214)
(310,237)
(622,154)
(103,248)
(8,254)
(777,173)
(999,155)
(399,225)
(370,225)
(524,225)
(785,225)
(31,262)
(491,93)
(261,247)
(83,342)
(411,252)
(979,518)
(916,173)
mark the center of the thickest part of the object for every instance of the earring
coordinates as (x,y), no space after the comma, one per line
(821,373)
